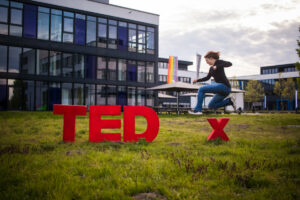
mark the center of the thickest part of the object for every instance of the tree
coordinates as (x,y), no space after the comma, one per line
(254,91)
(289,89)
(279,87)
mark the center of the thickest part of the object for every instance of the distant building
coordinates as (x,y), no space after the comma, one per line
(184,75)
(268,76)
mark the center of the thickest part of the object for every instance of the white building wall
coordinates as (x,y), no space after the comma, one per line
(106,9)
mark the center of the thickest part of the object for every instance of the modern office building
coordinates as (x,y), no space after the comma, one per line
(76,52)
(268,76)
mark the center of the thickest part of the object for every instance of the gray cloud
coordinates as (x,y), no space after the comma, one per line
(247,45)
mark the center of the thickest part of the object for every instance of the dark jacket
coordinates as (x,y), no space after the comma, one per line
(218,74)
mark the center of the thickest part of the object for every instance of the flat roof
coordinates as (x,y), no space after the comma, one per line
(106,9)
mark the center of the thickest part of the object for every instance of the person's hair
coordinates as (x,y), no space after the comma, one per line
(213,54)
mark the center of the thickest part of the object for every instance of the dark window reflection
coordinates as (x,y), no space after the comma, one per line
(122,96)
(14,61)
(3,58)
(79,65)
(111,95)
(42,62)
(78,94)
(67,69)
(90,94)
(54,94)
(55,63)
(3,94)
(101,95)
(28,61)
(41,97)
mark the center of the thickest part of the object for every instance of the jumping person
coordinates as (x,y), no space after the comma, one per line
(221,88)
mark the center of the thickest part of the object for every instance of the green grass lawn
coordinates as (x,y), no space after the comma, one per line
(261,160)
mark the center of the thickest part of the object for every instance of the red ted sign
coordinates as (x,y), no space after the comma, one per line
(96,124)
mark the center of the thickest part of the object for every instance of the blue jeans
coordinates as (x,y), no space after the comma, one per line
(220,90)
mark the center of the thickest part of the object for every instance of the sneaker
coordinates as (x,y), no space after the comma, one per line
(194,112)
(231,103)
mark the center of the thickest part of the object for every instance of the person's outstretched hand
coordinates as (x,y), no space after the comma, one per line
(195,81)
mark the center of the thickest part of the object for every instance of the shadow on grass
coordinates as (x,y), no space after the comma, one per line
(216,142)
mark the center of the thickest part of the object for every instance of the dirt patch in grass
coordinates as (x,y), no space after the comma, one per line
(73,152)
(149,196)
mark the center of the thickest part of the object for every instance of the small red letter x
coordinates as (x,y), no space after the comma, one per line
(218,127)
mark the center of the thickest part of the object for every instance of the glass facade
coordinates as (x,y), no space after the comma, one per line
(44,74)
(30,20)
(43,23)
(91,31)
(68,27)
(3,58)
(122,68)
(80,29)
(56,25)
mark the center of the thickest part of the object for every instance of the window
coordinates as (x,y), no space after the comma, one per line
(122,36)
(132,71)
(122,65)
(66,95)
(67,66)
(3,58)
(55,63)
(41,96)
(14,59)
(28,61)
(43,23)
(4,17)
(150,72)
(141,72)
(112,34)
(16,19)
(122,96)
(150,40)
(56,25)
(68,27)
(14,94)
(3,95)
(30,13)
(90,94)
(28,95)
(112,69)
(140,97)
(101,95)
(101,68)
(150,98)
(131,96)
(102,32)
(78,94)
(80,29)
(141,39)
(132,38)
(54,94)
(91,31)
(90,67)
(42,60)
(111,95)
(79,66)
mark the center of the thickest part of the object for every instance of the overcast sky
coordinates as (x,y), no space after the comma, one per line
(249,33)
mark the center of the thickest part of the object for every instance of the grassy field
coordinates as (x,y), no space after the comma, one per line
(261,160)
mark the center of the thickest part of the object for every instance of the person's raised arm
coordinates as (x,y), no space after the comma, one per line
(203,79)
(223,63)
